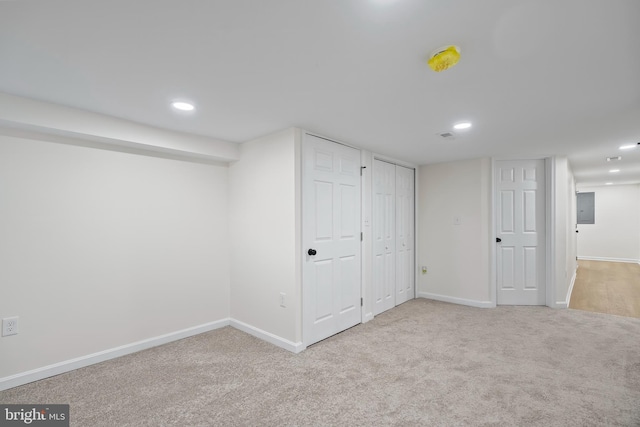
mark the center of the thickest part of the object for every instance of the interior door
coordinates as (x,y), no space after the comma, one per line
(384,235)
(405,256)
(330,237)
(520,222)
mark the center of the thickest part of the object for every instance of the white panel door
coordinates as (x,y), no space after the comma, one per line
(405,255)
(520,217)
(330,238)
(384,235)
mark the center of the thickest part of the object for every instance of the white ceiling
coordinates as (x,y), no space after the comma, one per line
(536,78)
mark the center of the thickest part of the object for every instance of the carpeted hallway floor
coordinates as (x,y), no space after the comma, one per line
(422,363)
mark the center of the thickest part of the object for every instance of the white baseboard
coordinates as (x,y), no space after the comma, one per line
(101,356)
(595,258)
(455,300)
(268,337)
(565,303)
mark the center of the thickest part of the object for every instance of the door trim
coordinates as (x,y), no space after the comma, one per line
(550,232)
(550,171)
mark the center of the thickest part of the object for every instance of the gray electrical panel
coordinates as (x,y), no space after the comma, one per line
(586,203)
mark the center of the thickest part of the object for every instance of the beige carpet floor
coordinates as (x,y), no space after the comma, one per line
(424,363)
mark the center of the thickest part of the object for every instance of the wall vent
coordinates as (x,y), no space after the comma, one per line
(447,135)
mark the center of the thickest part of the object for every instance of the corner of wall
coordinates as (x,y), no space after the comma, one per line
(263,215)
(297,178)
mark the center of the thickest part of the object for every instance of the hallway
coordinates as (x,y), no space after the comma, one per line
(607,287)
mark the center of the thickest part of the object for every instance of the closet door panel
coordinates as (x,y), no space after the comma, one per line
(405,255)
(384,236)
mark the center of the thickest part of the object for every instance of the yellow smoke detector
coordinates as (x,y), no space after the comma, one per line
(444,58)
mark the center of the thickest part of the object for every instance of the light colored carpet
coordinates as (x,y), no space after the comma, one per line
(422,363)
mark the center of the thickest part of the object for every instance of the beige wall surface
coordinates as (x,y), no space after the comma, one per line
(101,249)
(456,256)
(262,214)
(615,236)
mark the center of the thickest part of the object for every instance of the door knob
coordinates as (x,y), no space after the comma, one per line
(312,252)
(498,240)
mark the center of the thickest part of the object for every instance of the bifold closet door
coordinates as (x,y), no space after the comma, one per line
(393,235)
(384,236)
(405,255)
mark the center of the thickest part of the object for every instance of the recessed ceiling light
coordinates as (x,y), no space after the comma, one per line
(628,146)
(462,125)
(614,171)
(609,183)
(182,106)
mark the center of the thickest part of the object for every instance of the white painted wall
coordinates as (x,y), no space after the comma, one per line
(615,236)
(264,188)
(457,256)
(564,254)
(101,249)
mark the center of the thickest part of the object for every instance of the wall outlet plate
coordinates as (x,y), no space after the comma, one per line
(9,326)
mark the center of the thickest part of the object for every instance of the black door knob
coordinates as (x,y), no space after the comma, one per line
(577,231)
(312,252)
(498,240)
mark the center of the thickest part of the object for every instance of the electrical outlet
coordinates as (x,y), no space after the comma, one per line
(282,300)
(9,326)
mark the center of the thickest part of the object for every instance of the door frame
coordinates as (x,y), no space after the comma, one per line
(550,232)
